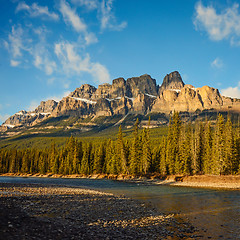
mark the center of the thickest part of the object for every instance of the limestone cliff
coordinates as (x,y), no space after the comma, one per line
(136,95)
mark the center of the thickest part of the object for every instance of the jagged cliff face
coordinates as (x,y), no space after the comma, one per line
(172,81)
(137,95)
(46,107)
(30,118)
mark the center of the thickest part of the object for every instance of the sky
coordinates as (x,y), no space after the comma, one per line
(49,48)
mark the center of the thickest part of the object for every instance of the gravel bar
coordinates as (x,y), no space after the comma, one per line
(35,211)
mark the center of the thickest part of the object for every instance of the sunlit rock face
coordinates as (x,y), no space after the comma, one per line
(172,81)
(137,95)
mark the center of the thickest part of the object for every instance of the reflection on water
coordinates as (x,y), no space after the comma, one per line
(216,213)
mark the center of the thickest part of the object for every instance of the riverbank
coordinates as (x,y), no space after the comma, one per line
(205,181)
(202,181)
(34,211)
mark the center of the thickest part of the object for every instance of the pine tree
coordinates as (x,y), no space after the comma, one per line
(198,148)
(208,145)
(173,141)
(229,154)
(85,168)
(163,166)
(25,162)
(99,157)
(218,157)
(183,164)
(135,152)
(237,149)
(53,159)
(77,157)
(146,152)
(13,162)
(121,152)
(42,165)
(61,162)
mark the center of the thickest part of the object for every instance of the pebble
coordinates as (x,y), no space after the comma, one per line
(60,212)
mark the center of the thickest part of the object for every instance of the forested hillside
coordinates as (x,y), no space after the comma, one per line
(200,148)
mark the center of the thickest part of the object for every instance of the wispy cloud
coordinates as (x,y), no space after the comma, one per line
(217,63)
(42,61)
(14,63)
(90,38)
(107,17)
(89,4)
(17,41)
(32,45)
(37,11)
(233,92)
(105,12)
(219,26)
(71,17)
(33,105)
(4,117)
(74,63)
(40,53)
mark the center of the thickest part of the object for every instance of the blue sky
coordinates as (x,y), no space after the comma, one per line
(48,48)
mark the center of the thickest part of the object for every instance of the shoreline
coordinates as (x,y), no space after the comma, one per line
(30,211)
(231,182)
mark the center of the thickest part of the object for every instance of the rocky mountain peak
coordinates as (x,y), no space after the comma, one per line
(46,106)
(85,91)
(143,84)
(118,88)
(172,81)
(136,95)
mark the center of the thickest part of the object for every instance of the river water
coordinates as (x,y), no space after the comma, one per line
(215,213)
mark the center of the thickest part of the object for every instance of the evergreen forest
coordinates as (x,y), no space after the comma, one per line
(188,149)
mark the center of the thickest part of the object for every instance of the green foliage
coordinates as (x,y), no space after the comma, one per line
(202,148)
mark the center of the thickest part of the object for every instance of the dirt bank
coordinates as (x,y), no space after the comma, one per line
(205,181)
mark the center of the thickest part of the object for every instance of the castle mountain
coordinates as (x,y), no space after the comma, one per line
(134,96)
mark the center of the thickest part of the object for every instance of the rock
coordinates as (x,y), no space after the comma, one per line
(172,81)
(136,95)
(46,106)
(143,84)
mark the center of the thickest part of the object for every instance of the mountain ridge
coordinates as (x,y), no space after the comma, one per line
(136,95)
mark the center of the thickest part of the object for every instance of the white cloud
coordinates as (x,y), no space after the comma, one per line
(44,63)
(49,66)
(14,63)
(41,57)
(90,38)
(16,41)
(71,17)
(219,26)
(4,117)
(37,61)
(37,11)
(217,63)
(105,13)
(107,18)
(74,63)
(33,105)
(99,72)
(89,4)
(233,92)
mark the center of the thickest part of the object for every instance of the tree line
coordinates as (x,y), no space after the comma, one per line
(187,149)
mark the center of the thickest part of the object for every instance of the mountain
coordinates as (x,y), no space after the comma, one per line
(111,104)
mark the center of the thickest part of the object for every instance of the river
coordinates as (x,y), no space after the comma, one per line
(215,213)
